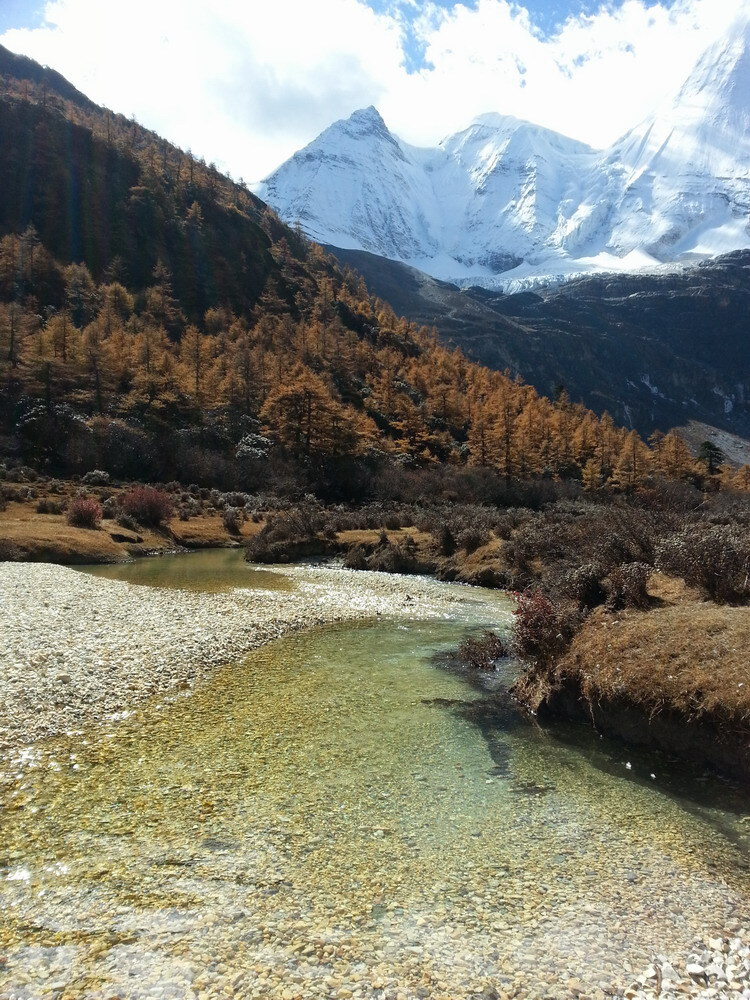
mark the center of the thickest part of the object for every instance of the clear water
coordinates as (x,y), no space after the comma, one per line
(212,570)
(335,816)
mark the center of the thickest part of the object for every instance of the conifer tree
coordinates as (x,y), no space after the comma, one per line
(632,465)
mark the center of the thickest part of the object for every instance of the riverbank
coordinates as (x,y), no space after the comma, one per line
(78,649)
(455,543)
(34,528)
(673,677)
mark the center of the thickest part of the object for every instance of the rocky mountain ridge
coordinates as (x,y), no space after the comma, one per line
(507,204)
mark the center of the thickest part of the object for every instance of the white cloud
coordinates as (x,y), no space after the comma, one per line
(247,82)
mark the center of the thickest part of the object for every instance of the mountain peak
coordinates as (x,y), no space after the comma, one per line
(369,114)
(720,83)
(507,200)
(493,119)
(704,128)
(364,121)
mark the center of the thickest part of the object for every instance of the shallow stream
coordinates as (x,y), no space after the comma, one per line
(335,816)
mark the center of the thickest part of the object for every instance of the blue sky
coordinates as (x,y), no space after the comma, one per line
(547,15)
(246,83)
(20,14)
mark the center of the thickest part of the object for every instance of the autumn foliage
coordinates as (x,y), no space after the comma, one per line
(147,505)
(186,333)
(84,512)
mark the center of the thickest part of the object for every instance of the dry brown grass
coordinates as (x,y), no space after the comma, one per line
(487,557)
(208,531)
(686,656)
(49,538)
(370,536)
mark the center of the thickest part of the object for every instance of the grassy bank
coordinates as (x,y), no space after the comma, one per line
(643,630)
(35,523)
(674,678)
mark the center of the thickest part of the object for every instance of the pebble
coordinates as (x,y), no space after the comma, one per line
(76,648)
(313,890)
(717,967)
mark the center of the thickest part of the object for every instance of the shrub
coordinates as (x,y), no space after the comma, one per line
(471,539)
(9,552)
(626,586)
(47,506)
(96,478)
(584,585)
(543,628)
(84,512)
(445,541)
(356,557)
(399,558)
(110,507)
(234,518)
(299,523)
(482,652)
(392,522)
(237,499)
(713,557)
(126,521)
(147,505)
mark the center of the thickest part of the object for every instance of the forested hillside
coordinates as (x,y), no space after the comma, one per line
(654,350)
(158,321)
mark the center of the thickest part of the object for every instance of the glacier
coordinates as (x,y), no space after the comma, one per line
(506,204)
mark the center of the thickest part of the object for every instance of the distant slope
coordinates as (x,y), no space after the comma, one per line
(102,190)
(158,321)
(653,350)
(14,68)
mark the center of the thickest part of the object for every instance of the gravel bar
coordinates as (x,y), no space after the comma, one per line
(77,649)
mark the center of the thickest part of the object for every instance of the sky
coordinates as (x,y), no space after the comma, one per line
(245,83)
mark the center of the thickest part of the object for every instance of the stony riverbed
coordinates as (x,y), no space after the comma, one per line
(76,649)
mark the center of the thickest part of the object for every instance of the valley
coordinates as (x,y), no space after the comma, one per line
(375,541)
(643,347)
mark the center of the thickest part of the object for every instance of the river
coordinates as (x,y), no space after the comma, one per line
(337,816)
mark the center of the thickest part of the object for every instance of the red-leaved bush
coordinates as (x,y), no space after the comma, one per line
(543,628)
(147,505)
(84,512)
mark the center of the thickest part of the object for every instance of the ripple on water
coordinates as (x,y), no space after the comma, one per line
(325,820)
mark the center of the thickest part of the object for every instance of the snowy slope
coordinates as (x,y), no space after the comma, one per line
(505,202)
(687,167)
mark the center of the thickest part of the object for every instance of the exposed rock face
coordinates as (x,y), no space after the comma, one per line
(654,350)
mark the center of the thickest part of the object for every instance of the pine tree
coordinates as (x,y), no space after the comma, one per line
(591,475)
(711,456)
(305,418)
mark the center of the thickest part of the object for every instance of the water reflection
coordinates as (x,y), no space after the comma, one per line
(212,570)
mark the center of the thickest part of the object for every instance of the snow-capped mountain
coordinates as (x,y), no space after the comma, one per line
(504,201)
